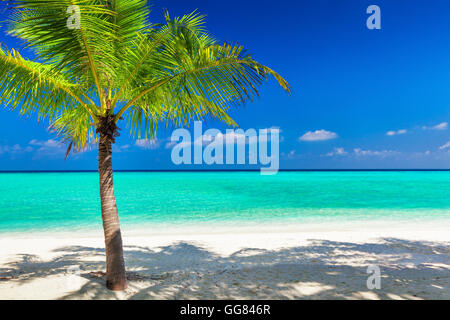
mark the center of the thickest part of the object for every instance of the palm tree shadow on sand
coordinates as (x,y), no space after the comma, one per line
(319,270)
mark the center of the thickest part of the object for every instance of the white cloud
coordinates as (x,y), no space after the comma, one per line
(170,144)
(393,132)
(147,144)
(290,155)
(236,138)
(440,126)
(46,144)
(445,146)
(318,135)
(239,138)
(116,148)
(231,137)
(39,148)
(337,152)
(206,139)
(49,147)
(377,153)
(15,149)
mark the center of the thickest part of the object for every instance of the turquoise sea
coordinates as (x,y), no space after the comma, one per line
(70,201)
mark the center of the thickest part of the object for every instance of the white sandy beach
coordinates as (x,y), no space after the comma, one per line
(295,262)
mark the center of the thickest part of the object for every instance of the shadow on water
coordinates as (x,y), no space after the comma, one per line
(319,270)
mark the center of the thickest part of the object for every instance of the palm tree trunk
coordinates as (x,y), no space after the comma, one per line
(115,265)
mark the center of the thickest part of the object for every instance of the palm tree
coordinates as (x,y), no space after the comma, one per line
(114,64)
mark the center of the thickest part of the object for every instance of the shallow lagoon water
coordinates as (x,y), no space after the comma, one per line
(70,201)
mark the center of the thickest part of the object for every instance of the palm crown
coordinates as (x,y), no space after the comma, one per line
(117,64)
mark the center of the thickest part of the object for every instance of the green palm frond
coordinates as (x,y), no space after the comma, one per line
(118,63)
(225,75)
(143,57)
(35,87)
(85,53)
(190,64)
(177,109)
(75,126)
(129,20)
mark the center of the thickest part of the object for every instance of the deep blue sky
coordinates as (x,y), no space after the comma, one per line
(346,79)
